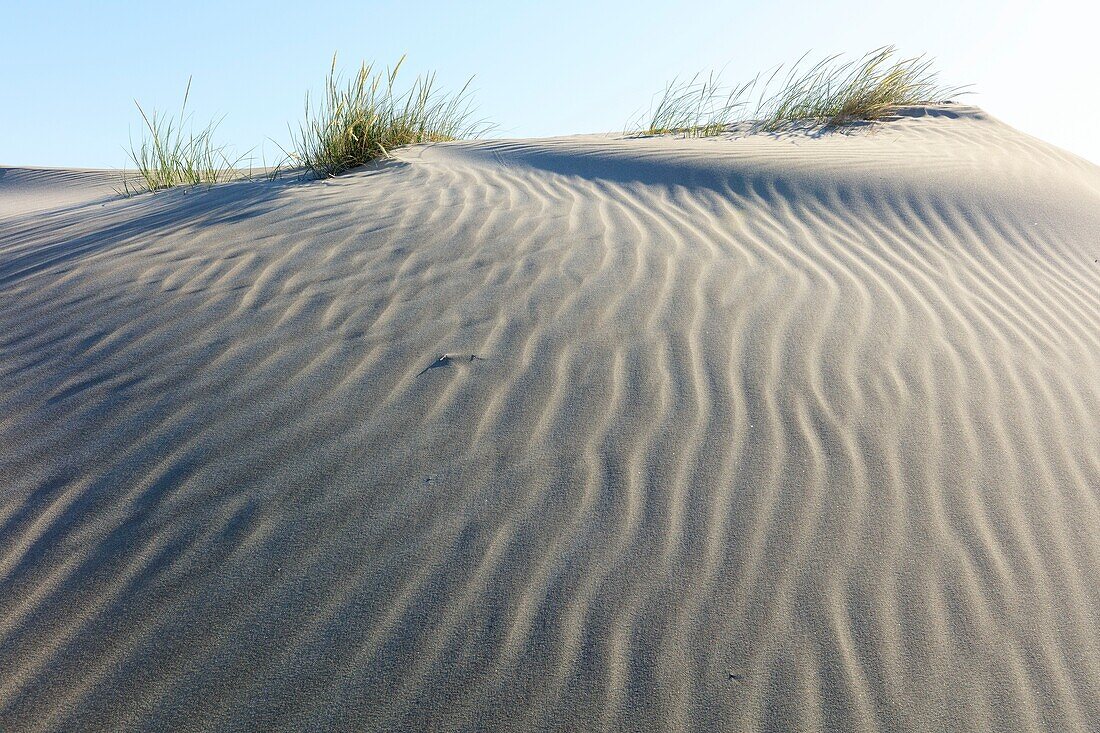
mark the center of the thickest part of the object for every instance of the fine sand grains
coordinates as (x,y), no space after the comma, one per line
(779,432)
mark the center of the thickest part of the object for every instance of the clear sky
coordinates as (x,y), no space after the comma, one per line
(69,72)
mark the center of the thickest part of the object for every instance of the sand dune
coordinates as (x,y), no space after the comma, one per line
(793,432)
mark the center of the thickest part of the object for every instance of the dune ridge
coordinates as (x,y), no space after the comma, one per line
(769,432)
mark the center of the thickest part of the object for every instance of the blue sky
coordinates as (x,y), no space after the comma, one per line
(71,71)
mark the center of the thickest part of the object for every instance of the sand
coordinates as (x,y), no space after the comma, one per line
(769,432)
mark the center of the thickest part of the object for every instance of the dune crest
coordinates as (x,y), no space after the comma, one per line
(771,432)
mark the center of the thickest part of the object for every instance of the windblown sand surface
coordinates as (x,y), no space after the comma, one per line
(794,432)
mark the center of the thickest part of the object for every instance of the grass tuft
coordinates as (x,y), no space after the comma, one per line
(696,107)
(367,117)
(866,89)
(172,153)
(830,92)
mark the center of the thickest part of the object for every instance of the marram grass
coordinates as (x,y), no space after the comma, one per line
(869,88)
(352,124)
(172,153)
(831,92)
(367,117)
(696,107)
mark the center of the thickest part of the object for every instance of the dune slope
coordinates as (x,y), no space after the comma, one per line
(793,432)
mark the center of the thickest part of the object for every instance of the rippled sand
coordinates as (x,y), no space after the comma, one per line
(795,432)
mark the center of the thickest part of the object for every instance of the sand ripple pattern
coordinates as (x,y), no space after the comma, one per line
(777,433)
